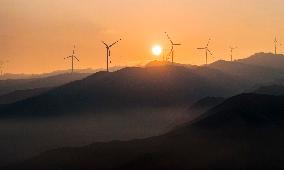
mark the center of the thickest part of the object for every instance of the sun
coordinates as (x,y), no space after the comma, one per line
(157,50)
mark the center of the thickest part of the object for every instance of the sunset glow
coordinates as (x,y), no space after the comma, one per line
(44,32)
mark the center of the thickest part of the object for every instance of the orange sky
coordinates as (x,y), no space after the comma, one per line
(36,35)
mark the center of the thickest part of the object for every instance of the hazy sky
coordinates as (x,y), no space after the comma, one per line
(35,35)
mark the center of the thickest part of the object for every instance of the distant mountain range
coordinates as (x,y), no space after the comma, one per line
(9,76)
(8,86)
(153,86)
(252,74)
(265,60)
(243,132)
(19,95)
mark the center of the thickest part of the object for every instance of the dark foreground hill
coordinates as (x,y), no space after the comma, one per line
(128,88)
(244,132)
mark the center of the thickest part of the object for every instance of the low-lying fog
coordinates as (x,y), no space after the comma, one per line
(21,139)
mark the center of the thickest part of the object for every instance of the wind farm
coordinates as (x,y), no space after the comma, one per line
(121,85)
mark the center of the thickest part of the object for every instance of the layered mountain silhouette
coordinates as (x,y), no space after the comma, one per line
(244,132)
(126,88)
(240,132)
(153,86)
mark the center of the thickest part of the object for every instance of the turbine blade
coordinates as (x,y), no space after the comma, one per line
(201,48)
(104,43)
(176,44)
(76,58)
(208,42)
(115,43)
(209,51)
(169,38)
(67,57)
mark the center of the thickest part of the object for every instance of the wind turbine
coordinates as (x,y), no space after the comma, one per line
(2,63)
(206,50)
(72,59)
(108,47)
(275,45)
(1,68)
(232,49)
(172,47)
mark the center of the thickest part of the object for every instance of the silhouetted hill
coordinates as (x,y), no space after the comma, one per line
(244,132)
(251,74)
(245,110)
(167,63)
(271,90)
(8,86)
(19,95)
(129,87)
(265,60)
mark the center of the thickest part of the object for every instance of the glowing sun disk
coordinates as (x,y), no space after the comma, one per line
(157,50)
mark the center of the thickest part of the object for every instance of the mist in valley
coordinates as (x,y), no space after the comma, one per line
(23,138)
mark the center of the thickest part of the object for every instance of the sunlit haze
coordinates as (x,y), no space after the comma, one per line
(36,36)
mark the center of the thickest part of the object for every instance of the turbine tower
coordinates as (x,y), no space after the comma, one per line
(73,56)
(108,47)
(232,49)
(172,47)
(206,48)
